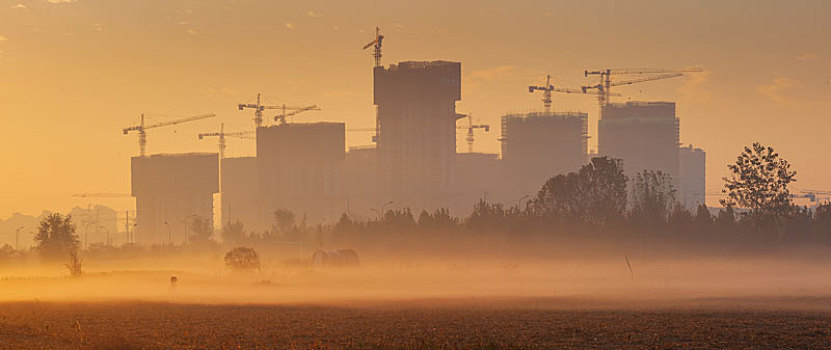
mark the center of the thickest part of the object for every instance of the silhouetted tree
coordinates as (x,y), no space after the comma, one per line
(284,221)
(74,264)
(398,221)
(680,219)
(822,223)
(595,195)
(202,229)
(242,259)
(56,237)
(653,197)
(233,232)
(438,221)
(487,217)
(703,220)
(725,222)
(759,181)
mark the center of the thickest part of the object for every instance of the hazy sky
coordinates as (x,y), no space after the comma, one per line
(73,73)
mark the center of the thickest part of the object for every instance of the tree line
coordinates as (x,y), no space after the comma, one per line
(598,199)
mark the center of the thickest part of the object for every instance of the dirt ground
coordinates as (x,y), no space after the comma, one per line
(532,323)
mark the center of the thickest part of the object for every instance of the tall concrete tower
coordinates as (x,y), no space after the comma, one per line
(171,190)
(539,146)
(417,131)
(643,134)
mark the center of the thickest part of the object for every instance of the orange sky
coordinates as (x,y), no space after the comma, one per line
(73,73)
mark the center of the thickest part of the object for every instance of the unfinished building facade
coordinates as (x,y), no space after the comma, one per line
(643,134)
(692,187)
(417,131)
(538,146)
(477,176)
(171,190)
(360,181)
(299,167)
(239,192)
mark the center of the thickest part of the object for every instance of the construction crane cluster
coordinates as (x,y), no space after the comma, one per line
(603,88)
(221,135)
(258,108)
(142,128)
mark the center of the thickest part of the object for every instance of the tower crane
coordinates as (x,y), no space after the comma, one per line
(606,82)
(296,110)
(222,135)
(470,127)
(259,108)
(548,88)
(376,43)
(142,128)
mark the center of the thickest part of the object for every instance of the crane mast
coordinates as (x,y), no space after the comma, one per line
(376,44)
(470,128)
(221,135)
(548,88)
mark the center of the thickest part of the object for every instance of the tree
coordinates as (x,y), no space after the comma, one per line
(232,232)
(74,265)
(703,219)
(56,237)
(284,221)
(653,197)
(759,181)
(242,259)
(202,229)
(594,195)
(439,220)
(822,223)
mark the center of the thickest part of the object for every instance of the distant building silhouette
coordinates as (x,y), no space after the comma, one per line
(692,182)
(476,176)
(360,181)
(299,167)
(95,224)
(239,186)
(538,146)
(170,190)
(643,134)
(417,131)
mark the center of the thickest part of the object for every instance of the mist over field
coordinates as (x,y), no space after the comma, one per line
(608,272)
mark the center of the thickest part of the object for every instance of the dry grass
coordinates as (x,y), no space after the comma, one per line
(445,324)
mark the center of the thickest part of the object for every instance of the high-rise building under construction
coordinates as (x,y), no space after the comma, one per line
(171,191)
(417,130)
(643,134)
(691,189)
(299,169)
(538,146)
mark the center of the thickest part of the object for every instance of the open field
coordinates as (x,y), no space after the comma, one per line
(451,302)
(799,323)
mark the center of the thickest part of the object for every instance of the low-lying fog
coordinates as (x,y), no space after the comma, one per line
(601,272)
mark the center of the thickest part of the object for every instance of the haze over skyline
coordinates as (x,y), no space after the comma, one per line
(73,73)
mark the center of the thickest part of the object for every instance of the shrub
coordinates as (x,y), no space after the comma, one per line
(242,259)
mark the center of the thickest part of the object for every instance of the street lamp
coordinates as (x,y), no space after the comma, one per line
(17,237)
(86,236)
(381,213)
(108,234)
(169,235)
(186,226)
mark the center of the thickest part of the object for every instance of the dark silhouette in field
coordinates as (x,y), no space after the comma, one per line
(242,259)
